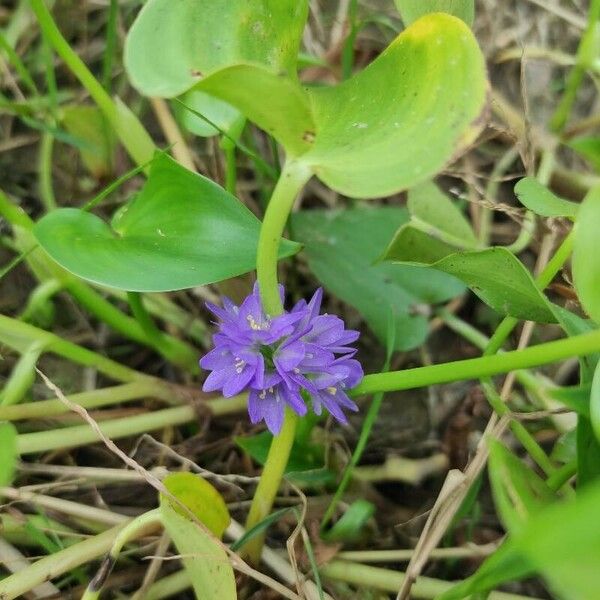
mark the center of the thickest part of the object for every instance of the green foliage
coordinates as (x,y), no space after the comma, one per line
(201,498)
(352,523)
(493,274)
(180,231)
(204,558)
(540,200)
(589,148)
(222,114)
(98,141)
(411,10)
(560,541)
(586,269)
(519,493)
(381,131)
(8,453)
(342,247)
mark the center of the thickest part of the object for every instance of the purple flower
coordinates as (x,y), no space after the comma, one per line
(286,360)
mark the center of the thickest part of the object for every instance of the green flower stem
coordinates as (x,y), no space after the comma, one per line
(80,435)
(128,128)
(292,179)
(366,576)
(485,366)
(42,409)
(144,524)
(20,336)
(55,565)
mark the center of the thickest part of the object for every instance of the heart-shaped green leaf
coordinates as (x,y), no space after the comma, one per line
(540,200)
(180,231)
(173,45)
(342,248)
(493,274)
(411,10)
(405,116)
(586,268)
(395,124)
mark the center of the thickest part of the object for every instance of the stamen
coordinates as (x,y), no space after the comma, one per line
(332,390)
(263,395)
(239,365)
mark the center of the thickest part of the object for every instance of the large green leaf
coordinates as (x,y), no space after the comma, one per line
(405,116)
(342,247)
(394,124)
(494,274)
(586,267)
(180,231)
(172,46)
(203,557)
(411,10)
(539,199)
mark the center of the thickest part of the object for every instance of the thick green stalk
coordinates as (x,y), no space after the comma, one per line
(476,368)
(293,178)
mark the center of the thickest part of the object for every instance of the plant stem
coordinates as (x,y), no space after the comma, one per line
(80,435)
(20,336)
(130,131)
(57,564)
(586,55)
(22,376)
(293,177)
(366,576)
(485,366)
(142,525)
(136,303)
(42,409)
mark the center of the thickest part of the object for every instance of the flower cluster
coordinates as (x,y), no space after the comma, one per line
(284,360)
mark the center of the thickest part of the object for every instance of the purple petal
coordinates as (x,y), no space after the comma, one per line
(294,400)
(238,380)
(273,414)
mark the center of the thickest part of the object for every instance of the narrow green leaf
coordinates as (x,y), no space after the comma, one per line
(342,247)
(180,231)
(518,492)
(352,523)
(431,209)
(493,274)
(411,10)
(540,200)
(560,541)
(586,269)
(8,453)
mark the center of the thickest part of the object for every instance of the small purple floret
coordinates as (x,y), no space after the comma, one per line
(287,360)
